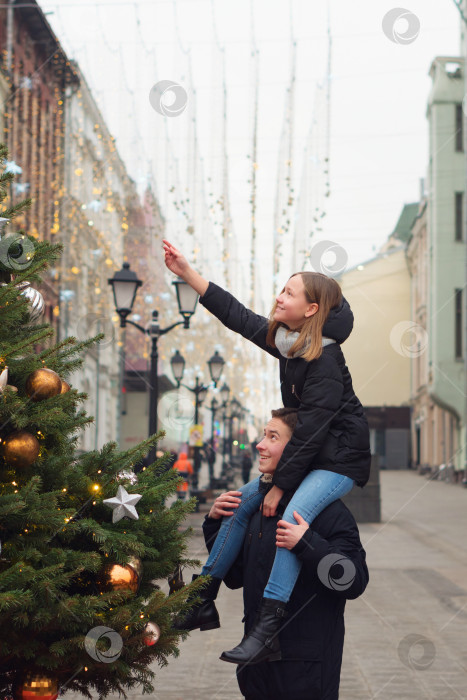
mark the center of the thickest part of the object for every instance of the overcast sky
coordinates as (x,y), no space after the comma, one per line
(379,89)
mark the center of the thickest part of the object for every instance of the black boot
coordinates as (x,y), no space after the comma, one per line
(203,615)
(262,642)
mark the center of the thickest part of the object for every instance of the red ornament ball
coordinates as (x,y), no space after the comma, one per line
(151,634)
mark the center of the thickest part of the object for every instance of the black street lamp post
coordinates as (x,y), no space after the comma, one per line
(215,364)
(224,392)
(211,460)
(235,412)
(231,416)
(125,284)
(200,392)
(213,408)
(224,441)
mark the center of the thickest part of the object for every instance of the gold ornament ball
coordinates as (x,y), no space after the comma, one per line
(137,565)
(21,449)
(119,578)
(43,384)
(151,634)
(65,387)
(36,686)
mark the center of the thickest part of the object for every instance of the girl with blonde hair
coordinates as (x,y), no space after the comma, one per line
(328,452)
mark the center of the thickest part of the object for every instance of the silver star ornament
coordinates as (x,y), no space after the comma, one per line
(123,505)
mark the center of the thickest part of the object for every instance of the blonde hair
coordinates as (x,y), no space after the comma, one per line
(319,289)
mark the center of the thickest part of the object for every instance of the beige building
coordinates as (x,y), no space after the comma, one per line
(378,349)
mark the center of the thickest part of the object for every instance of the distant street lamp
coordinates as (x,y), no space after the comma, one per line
(125,284)
(225,393)
(178,366)
(215,364)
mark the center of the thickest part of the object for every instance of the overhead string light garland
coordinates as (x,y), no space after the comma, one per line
(315,184)
(254,156)
(201,213)
(195,206)
(230,252)
(135,152)
(284,189)
(219,176)
(179,188)
(104,196)
(151,181)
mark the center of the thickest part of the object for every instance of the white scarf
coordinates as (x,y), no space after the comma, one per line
(284,341)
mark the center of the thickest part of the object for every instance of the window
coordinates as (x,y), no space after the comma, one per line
(459,135)
(458,323)
(459,218)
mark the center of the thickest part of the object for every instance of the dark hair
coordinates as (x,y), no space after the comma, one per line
(322,290)
(287,416)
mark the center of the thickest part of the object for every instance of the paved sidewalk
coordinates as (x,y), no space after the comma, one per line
(406,637)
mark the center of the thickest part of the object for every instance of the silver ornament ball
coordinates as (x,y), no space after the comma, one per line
(35,300)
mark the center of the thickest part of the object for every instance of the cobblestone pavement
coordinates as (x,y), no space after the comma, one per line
(406,637)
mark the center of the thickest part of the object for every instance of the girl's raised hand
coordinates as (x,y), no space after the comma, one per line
(174,259)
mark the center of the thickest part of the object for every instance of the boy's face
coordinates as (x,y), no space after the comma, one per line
(276,436)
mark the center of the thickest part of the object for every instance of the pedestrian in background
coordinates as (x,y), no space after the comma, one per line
(247,463)
(209,456)
(253,447)
(185,469)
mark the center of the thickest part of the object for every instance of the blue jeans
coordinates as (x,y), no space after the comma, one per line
(317,490)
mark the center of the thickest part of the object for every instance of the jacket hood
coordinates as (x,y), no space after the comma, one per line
(183,455)
(339,322)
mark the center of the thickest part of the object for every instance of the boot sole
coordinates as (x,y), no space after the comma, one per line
(210,626)
(272,657)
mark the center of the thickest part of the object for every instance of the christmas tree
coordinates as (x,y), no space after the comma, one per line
(83,539)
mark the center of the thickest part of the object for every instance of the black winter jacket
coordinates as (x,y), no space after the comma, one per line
(312,638)
(332,430)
